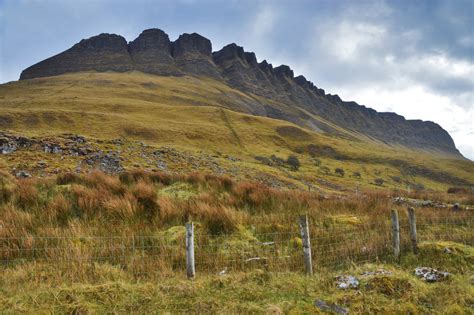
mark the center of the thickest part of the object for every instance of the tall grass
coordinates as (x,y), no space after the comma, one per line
(132,221)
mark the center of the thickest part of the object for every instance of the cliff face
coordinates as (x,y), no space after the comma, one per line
(191,54)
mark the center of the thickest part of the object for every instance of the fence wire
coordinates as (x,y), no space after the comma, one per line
(151,255)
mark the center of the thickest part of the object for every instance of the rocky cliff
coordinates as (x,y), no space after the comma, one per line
(191,54)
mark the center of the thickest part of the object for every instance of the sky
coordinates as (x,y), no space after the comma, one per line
(411,57)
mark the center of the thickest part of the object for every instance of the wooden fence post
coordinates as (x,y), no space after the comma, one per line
(304,229)
(190,269)
(412,222)
(395,234)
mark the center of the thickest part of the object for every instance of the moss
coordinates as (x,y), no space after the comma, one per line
(391,286)
(179,190)
(345,219)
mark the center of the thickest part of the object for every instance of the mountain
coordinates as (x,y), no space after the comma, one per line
(270,91)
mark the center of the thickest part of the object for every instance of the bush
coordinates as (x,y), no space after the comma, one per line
(293,162)
(458,190)
(379,181)
(397,179)
(264,160)
(418,187)
(339,171)
(278,161)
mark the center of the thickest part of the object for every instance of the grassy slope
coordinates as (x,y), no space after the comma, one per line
(188,113)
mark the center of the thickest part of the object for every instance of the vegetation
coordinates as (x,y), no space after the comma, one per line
(137,107)
(96,243)
(293,162)
(76,240)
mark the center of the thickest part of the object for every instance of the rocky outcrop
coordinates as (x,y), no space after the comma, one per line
(192,53)
(151,52)
(104,52)
(290,98)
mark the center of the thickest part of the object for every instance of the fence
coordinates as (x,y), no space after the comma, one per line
(312,244)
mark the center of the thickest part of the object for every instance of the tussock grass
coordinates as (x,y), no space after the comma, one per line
(118,242)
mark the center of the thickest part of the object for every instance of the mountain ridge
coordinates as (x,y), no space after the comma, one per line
(191,54)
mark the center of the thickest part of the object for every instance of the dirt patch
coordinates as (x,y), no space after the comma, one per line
(293,133)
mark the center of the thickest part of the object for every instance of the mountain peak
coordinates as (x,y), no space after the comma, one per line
(191,54)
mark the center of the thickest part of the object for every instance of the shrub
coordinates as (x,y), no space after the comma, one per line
(293,162)
(264,160)
(278,161)
(397,179)
(339,171)
(458,190)
(379,181)
(418,187)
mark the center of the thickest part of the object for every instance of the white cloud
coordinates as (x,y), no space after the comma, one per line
(348,41)
(416,102)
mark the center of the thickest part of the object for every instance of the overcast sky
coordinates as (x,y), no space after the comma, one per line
(411,57)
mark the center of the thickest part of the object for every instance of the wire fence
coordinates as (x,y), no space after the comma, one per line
(332,246)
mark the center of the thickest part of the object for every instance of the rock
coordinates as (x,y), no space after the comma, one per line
(192,54)
(104,52)
(191,45)
(22,174)
(330,307)
(52,148)
(347,282)
(151,52)
(430,274)
(447,250)
(7,148)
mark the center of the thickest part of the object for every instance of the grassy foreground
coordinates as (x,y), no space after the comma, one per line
(66,247)
(29,289)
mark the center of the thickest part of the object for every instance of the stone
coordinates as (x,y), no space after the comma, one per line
(330,307)
(22,174)
(430,274)
(346,282)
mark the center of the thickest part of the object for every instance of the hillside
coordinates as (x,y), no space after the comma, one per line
(271,92)
(183,124)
